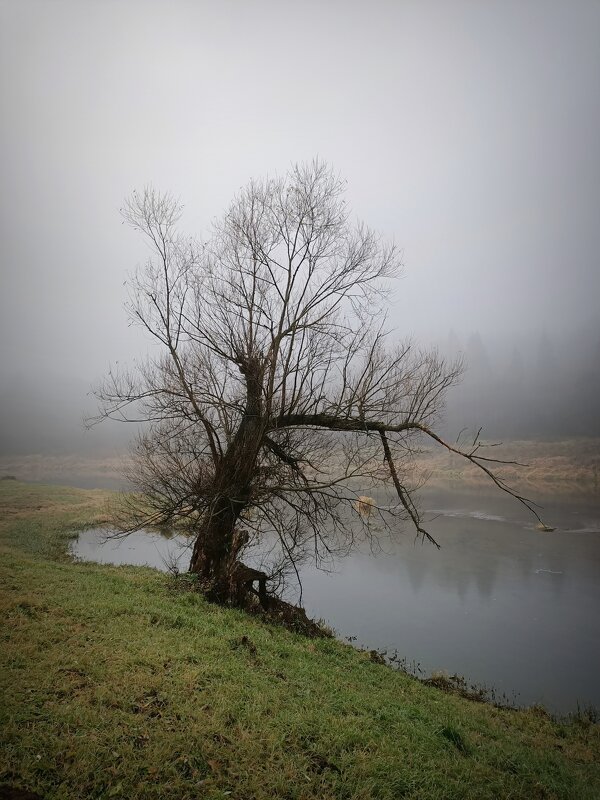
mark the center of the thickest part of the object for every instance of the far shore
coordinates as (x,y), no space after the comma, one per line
(564,467)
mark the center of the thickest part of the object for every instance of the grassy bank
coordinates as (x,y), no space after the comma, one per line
(559,468)
(118,682)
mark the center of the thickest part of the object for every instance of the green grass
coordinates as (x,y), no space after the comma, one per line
(118,682)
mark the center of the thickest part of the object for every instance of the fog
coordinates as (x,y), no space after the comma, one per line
(468,133)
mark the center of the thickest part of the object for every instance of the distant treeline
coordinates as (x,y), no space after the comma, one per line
(543,387)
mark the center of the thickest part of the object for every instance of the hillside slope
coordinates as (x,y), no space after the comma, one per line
(121,682)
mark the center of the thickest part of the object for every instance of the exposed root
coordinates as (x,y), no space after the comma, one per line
(291,617)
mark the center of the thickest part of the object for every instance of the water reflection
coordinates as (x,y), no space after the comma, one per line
(501,603)
(161,550)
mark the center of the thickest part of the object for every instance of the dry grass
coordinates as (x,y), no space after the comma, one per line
(569,466)
(566,467)
(53,468)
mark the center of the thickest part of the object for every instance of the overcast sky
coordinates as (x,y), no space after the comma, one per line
(469,132)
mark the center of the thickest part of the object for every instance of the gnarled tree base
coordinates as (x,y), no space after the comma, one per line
(239,591)
(236,587)
(291,617)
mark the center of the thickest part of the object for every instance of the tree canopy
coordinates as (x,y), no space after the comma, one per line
(278,402)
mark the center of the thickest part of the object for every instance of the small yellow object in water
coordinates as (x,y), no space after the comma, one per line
(365,505)
(546,528)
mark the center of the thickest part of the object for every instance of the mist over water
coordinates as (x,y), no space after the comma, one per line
(538,387)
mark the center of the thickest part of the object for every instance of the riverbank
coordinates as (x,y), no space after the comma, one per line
(559,467)
(563,467)
(118,682)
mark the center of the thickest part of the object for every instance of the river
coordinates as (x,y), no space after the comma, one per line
(502,603)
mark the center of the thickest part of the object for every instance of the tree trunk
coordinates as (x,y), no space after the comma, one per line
(219,541)
(214,551)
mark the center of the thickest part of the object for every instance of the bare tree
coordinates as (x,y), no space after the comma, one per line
(275,402)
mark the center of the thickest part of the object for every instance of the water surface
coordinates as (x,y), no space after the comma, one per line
(501,603)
